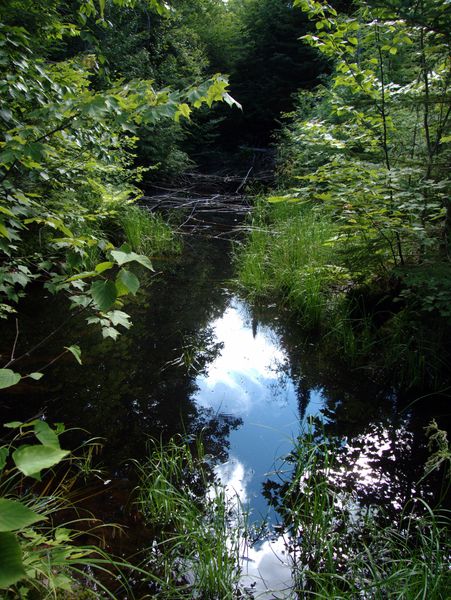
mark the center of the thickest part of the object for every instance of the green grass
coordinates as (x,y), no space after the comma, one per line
(290,253)
(197,530)
(338,549)
(147,233)
(297,256)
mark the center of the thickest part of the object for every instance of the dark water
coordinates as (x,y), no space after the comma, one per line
(200,360)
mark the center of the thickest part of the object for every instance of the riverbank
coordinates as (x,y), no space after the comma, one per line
(296,253)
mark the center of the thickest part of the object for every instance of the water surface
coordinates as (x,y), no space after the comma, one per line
(200,360)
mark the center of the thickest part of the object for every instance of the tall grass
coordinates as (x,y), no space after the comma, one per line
(197,530)
(295,254)
(147,233)
(290,253)
(341,549)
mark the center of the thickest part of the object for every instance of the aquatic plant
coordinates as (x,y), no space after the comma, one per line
(288,253)
(198,531)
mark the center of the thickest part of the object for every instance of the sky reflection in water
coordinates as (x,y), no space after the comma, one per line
(248,380)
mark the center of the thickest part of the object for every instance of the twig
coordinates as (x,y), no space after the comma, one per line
(15,342)
(47,337)
(53,360)
(244,181)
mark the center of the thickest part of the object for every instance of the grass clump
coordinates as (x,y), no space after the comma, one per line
(392,321)
(197,530)
(147,233)
(342,548)
(289,254)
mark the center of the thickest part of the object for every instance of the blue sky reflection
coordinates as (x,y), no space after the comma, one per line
(248,380)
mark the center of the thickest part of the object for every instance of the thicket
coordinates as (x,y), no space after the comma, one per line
(70,122)
(359,241)
(70,128)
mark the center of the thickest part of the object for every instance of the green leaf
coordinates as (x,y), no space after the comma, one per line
(11,566)
(110,332)
(125,257)
(8,378)
(3,231)
(128,280)
(75,351)
(6,211)
(63,582)
(104,294)
(46,435)
(36,376)
(83,275)
(183,110)
(104,266)
(118,317)
(231,101)
(31,460)
(14,515)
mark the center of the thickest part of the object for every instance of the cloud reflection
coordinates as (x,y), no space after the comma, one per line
(266,570)
(247,370)
(250,380)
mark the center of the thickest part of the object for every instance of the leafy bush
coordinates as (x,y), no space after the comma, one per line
(40,555)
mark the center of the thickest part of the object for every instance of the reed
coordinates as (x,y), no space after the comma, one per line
(147,233)
(198,531)
(289,254)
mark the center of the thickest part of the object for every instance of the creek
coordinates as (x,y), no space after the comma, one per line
(201,360)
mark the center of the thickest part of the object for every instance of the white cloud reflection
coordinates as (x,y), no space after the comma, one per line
(246,370)
(265,567)
(248,380)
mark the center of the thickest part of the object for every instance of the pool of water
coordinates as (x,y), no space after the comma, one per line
(201,360)
(249,381)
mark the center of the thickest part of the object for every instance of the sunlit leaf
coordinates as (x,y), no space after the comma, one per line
(36,376)
(45,434)
(14,515)
(128,280)
(8,378)
(75,351)
(125,257)
(31,460)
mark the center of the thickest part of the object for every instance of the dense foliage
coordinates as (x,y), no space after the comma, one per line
(366,156)
(72,114)
(100,96)
(69,133)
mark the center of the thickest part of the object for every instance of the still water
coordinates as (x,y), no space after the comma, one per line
(249,381)
(200,360)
